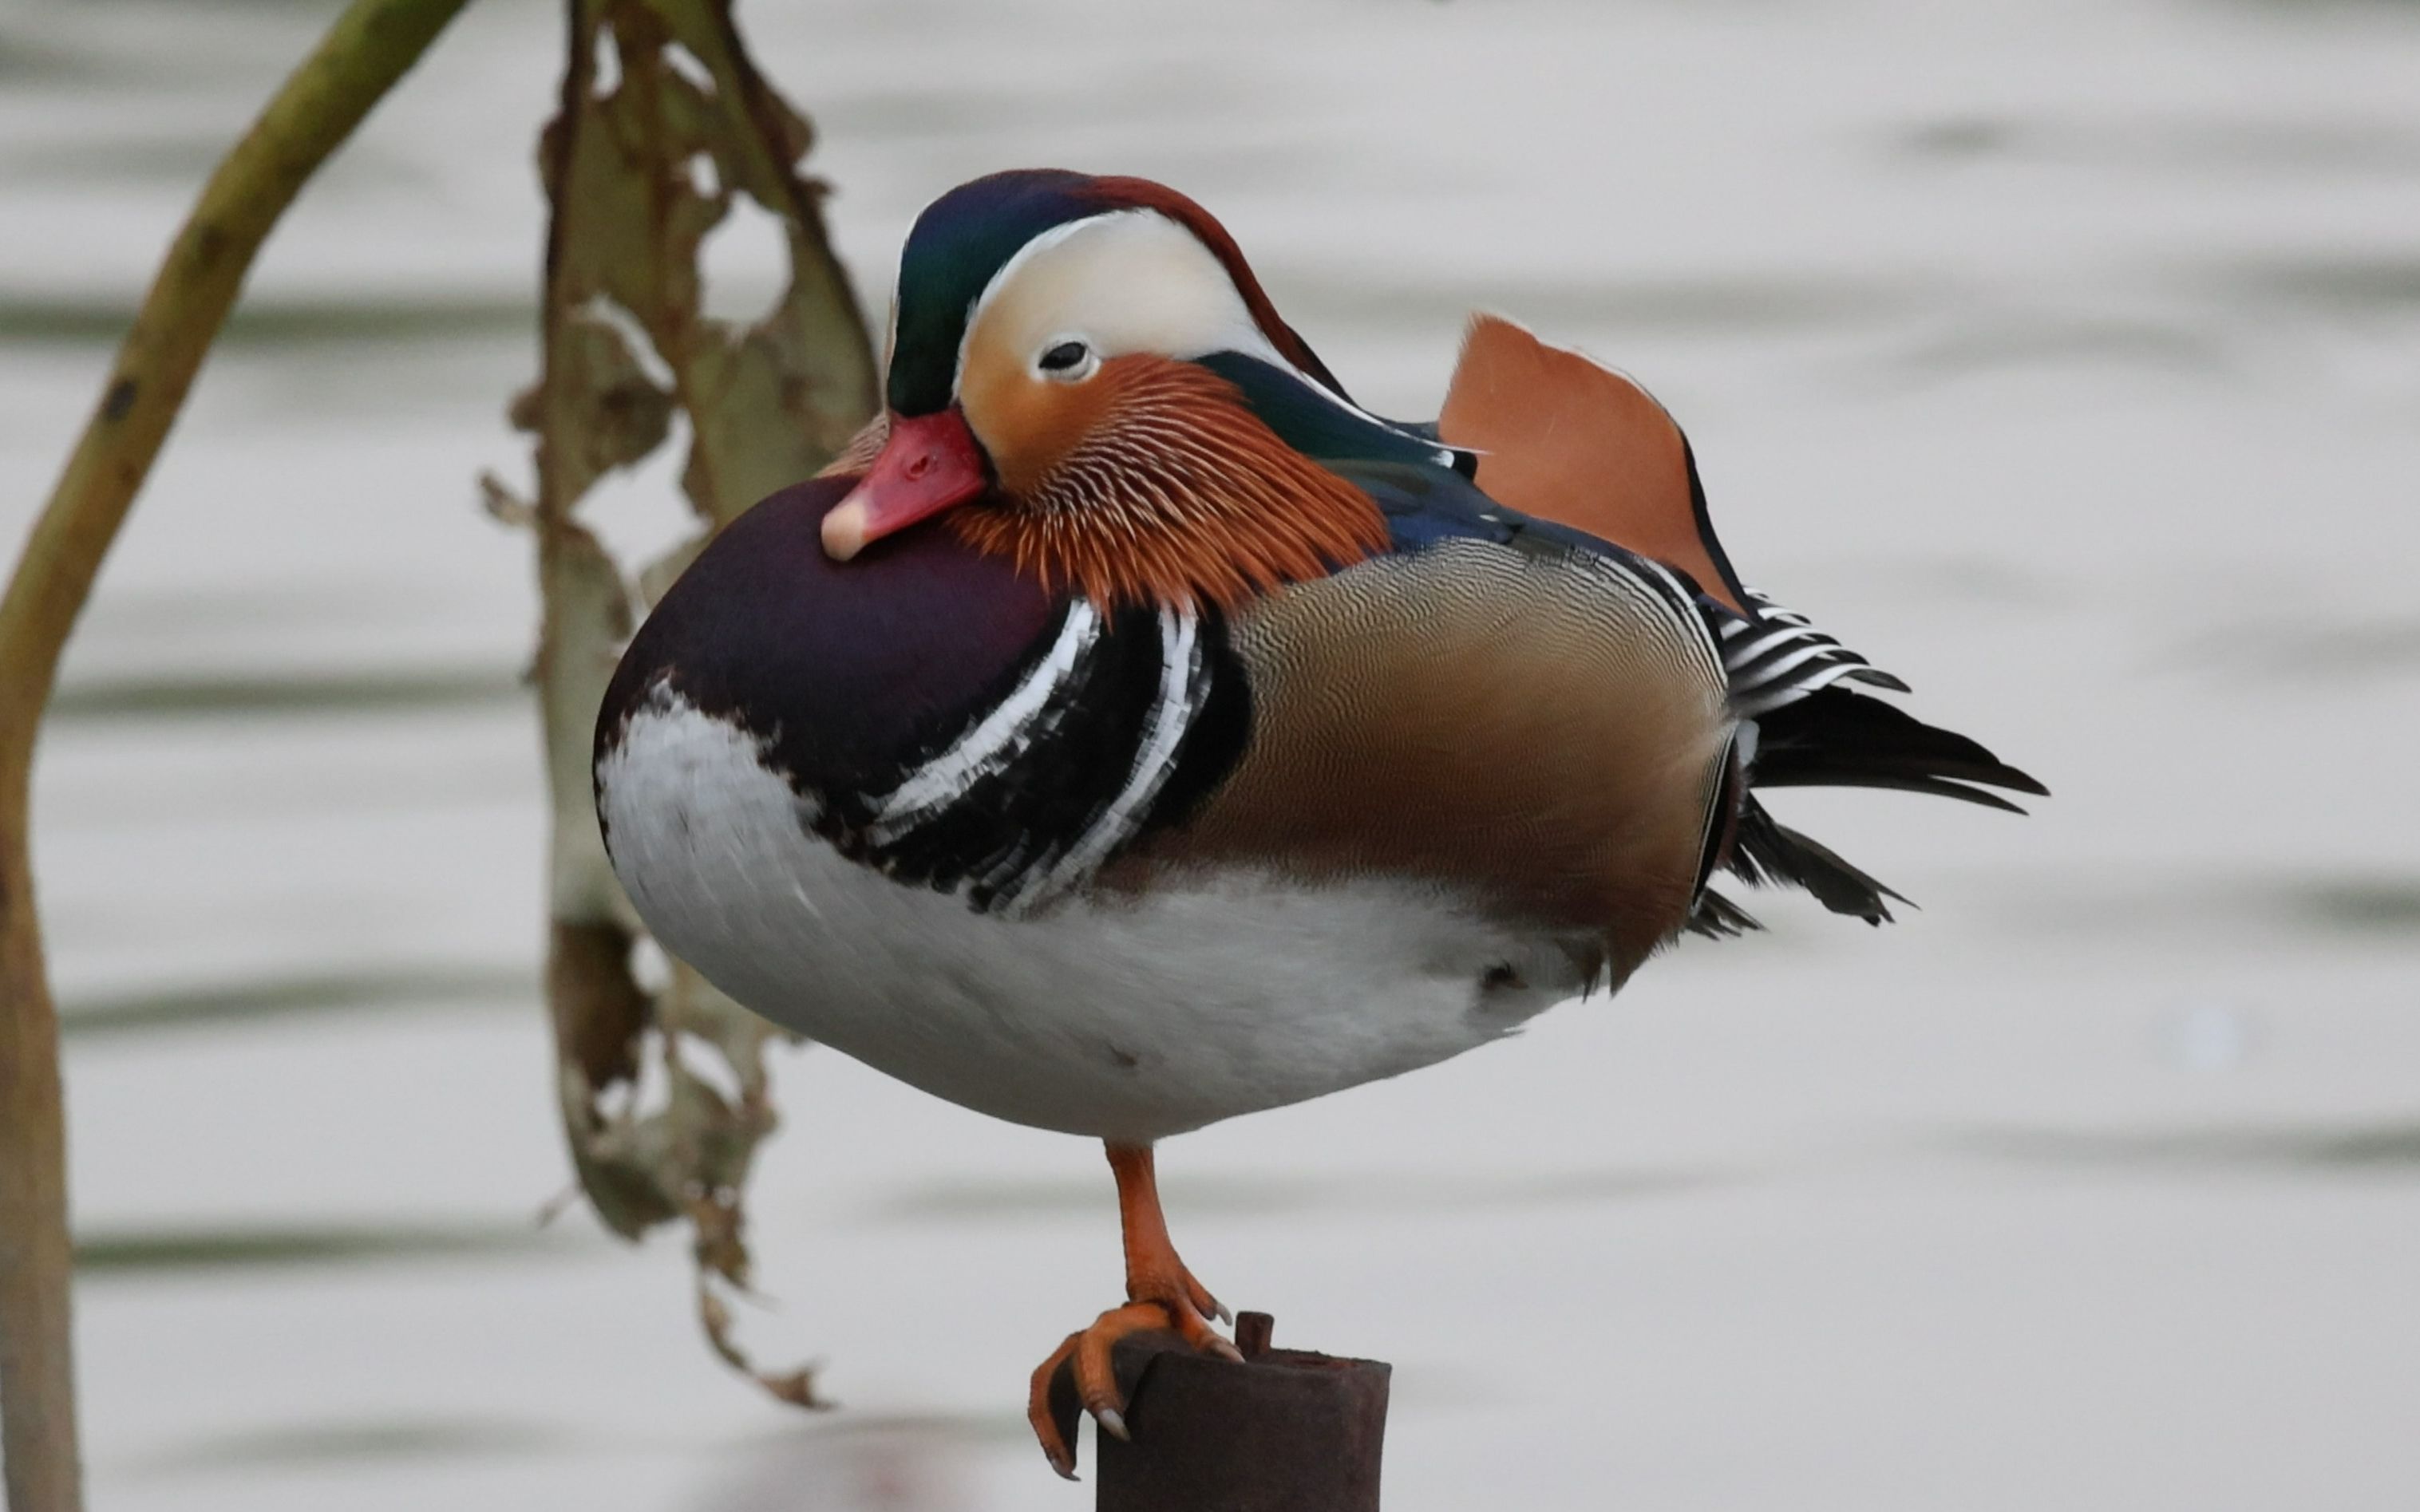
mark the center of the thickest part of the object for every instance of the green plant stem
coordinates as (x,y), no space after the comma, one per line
(371,46)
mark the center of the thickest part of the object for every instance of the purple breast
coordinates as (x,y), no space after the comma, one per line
(851,671)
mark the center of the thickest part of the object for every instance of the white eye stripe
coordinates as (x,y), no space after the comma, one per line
(1132,281)
(1129,280)
(1000,280)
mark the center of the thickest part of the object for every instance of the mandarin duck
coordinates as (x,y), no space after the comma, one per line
(1132,731)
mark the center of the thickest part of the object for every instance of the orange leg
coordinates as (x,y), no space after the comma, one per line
(1160,1294)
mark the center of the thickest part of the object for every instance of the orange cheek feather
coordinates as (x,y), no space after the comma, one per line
(1027,424)
(1152,482)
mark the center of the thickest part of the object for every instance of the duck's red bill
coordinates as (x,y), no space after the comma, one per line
(930,463)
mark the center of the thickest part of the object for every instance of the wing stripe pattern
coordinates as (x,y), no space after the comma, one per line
(1779,658)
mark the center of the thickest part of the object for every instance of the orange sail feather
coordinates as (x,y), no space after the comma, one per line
(1569,439)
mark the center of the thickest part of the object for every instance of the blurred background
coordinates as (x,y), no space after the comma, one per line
(2064,357)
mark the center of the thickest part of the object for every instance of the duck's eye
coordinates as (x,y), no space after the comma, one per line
(1067,360)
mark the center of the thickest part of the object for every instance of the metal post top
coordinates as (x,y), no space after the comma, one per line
(1288,1430)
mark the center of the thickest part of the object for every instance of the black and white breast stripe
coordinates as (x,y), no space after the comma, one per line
(1184,692)
(1121,724)
(994,741)
(1780,658)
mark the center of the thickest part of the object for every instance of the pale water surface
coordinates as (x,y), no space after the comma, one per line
(2064,356)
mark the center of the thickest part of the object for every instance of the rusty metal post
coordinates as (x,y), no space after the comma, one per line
(1287,1432)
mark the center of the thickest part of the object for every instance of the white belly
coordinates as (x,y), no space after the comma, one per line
(1124,1019)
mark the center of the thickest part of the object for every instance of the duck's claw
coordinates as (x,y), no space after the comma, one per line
(1204,1303)
(1052,1407)
(1080,1375)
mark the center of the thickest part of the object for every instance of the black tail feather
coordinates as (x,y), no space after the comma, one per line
(1837,738)
(1860,775)
(1834,738)
(1805,725)
(1767,851)
(1717,917)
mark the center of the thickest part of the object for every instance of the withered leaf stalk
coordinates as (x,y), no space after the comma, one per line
(663,125)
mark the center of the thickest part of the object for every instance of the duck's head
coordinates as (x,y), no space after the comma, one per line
(1060,385)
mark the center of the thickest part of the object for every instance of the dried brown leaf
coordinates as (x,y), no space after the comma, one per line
(640,175)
